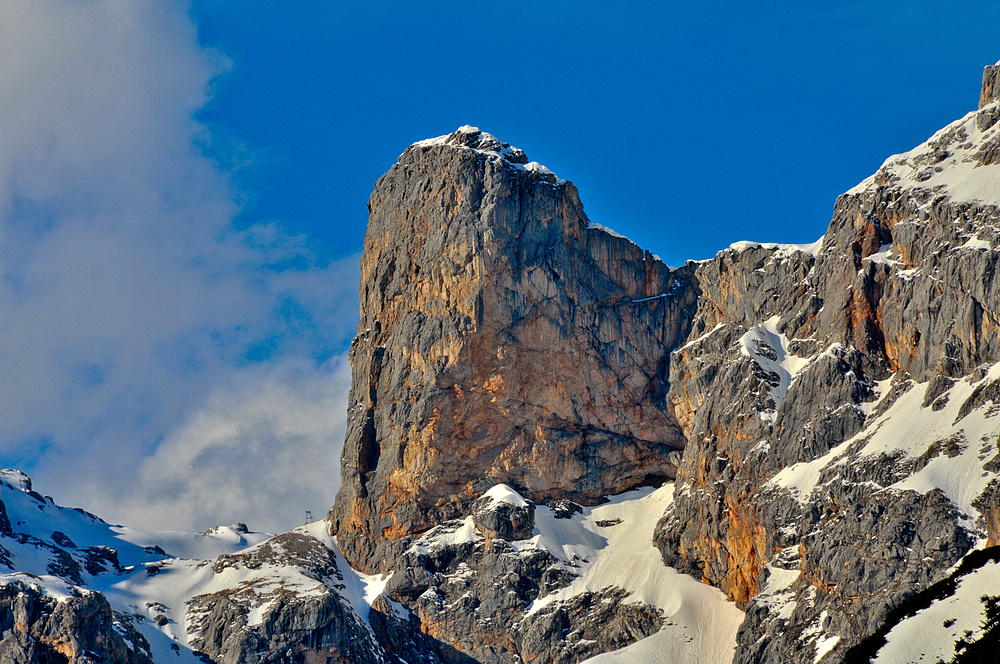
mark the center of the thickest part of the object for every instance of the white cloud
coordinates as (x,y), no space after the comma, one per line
(132,312)
(262,450)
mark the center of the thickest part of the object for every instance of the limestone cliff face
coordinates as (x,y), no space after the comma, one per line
(502,339)
(991,86)
(837,405)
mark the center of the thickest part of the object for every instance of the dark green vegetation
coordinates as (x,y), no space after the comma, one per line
(986,649)
(981,650)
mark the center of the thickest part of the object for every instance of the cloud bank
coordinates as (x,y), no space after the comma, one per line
(157,360)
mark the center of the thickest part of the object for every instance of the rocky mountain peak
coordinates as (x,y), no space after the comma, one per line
(829,415)
(487,145)
(824,392)
(478,140)
(503,338)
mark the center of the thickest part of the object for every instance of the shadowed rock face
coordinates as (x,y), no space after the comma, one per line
(991,85)
(502,339)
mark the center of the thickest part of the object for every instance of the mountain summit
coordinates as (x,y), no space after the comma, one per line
(503,339)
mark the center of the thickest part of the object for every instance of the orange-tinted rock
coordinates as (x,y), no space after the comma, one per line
(502,339)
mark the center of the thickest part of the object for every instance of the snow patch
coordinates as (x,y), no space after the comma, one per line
(946,164)
(782,250)
(715,329)
(535,167)
(769,349)
(882,256)
(700,623)
(52,586)
(825,645)
(931,634)
(491,147)
(976,243)
(501,493)
(907,426)
(15,479)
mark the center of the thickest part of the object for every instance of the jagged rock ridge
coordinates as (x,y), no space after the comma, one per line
(784,362)
(822,505)
(510,582)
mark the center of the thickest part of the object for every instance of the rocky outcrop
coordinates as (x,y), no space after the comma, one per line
(38,629)
(504,514)
(293,629)
(991,85)
(472,591)
(989,505)
(586,625)
(502,338)
(281,604)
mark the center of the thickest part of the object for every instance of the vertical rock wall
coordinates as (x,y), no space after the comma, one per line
(502,339)
(505,339)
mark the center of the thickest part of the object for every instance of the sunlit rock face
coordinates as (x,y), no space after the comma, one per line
(829,415)
(40,629)
(502,338)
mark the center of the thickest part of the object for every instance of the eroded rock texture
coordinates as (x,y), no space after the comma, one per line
(472,592)
(502,339)
(287,607)
(36,629)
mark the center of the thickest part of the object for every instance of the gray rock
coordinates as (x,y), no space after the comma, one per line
(501,519)
(472,598)
(317,625)
(938,386)
(896,291)
(398,631)
(5,526)
(293,629)
(505,339)
(586,625)
(991,86)
(36,629)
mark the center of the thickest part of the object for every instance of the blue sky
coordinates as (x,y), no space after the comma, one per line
(686,126)
(183,190)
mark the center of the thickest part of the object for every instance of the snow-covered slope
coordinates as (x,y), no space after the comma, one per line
(948,625)
(166,583)
(169,586)
(610,546)
(943,447)
(597,572)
